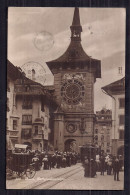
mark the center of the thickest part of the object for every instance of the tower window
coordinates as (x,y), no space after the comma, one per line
(96,131)
(121,134)
(36,130)
(14,124)
(121,119)
(26,133)
(27,103)
(121,102)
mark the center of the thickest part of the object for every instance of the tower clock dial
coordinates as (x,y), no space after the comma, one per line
(72,91)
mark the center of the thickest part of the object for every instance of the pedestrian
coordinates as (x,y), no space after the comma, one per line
(64,161)
(35,160)
(53,160)
(68,160)
(86,166)
(49,161)
(116,169)
(92,168)
(106,163)
(58,160)
(98,162)
(102,164)
(45,161)
(109,164)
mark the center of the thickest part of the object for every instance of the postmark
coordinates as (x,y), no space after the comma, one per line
(34,71)
(43,41)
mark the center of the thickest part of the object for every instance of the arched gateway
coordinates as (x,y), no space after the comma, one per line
(120,151)
(70,145)
(74,76)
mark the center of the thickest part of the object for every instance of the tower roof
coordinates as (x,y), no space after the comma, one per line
(75,53)
(76,19)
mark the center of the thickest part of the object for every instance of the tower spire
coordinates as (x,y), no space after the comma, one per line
(76,27)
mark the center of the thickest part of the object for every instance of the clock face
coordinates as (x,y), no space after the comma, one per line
(35,71)
(72,91)
(71,128)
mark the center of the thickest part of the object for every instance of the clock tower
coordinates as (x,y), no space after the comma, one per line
(74,76)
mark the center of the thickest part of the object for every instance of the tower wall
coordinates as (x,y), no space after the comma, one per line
(87,104)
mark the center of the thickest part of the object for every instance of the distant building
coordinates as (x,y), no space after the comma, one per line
(117,91)
(102,130)
(30,106)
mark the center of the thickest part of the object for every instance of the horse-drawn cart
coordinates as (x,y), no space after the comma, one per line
(21,164)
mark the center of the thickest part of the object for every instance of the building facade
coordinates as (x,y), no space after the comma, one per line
(117,91)
(11,116)
(28,112)
(103,129)
(74,76)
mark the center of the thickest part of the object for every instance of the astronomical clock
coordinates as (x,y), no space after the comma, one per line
(73,90)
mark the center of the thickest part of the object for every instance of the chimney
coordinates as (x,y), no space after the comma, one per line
(120,71)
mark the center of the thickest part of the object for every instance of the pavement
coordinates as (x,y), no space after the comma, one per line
(69,178)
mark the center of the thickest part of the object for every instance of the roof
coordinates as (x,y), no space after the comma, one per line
(12,71)
(75,53)
(76,18)
(115,87)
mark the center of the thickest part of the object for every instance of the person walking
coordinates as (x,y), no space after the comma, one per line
(109,166)
(45,161)
(116,169)
(102,164)
(86,167)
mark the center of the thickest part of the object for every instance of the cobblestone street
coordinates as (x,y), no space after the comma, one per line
(67,178)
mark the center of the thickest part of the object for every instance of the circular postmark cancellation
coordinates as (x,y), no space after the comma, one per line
(44,41)
(34,71)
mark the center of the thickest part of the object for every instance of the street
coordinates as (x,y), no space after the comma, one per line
(69,178)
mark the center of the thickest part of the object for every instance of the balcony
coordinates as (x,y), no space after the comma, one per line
(37,137)
(13,134)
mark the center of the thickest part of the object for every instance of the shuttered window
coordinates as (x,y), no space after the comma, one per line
(27,119)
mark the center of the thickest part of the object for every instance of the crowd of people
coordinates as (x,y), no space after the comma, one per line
(103,164)
(57,159)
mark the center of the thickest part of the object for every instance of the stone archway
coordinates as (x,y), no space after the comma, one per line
(70,145)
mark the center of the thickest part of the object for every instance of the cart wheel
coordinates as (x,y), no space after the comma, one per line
(20,173)
(9,172)
(30,172)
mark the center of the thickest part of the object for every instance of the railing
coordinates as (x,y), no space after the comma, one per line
(37,137)
(14,133)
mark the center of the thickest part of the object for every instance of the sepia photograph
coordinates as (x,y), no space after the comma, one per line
(65,115)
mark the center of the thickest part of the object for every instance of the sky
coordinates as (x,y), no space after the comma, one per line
(103,38)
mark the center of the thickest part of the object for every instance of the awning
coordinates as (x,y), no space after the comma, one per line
(22,146)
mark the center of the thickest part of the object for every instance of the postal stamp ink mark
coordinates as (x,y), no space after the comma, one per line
(44,41)
(34,71)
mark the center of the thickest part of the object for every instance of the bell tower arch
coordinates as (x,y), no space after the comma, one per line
(74,76)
